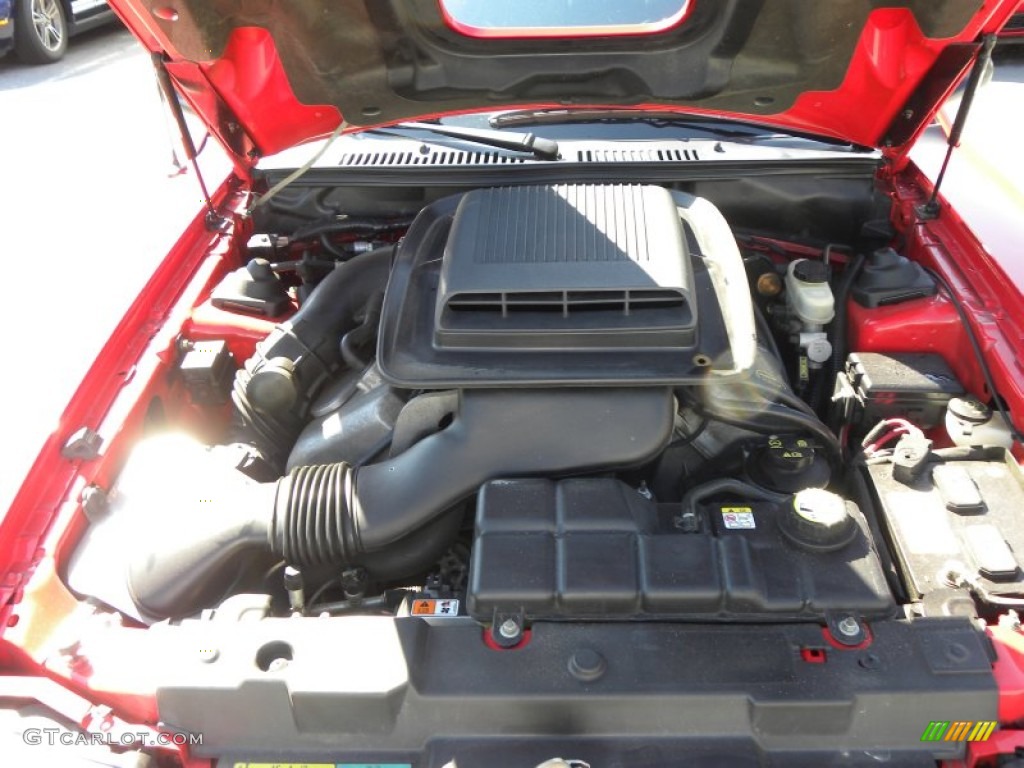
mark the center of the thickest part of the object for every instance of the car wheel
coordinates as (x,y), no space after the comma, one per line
(41,31)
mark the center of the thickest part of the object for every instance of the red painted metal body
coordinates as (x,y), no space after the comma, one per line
(131,372)
(251,108)
(241,331)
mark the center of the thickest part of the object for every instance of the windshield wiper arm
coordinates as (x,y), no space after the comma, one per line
(554,116)
(538,146)
(725,128)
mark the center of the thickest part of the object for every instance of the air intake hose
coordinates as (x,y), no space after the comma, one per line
(274,389)
(394,518)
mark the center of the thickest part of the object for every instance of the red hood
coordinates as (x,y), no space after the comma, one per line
(265,76)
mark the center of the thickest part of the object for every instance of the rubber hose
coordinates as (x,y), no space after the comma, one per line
(730,485)
(839,336)
(346,225)
(395,517)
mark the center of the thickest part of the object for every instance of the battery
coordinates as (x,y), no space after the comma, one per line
(965,513)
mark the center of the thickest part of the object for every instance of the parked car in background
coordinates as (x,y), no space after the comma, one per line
(38,30)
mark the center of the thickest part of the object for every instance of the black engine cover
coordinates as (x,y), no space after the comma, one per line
(565,285)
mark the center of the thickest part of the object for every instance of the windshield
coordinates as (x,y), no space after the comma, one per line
(545,18)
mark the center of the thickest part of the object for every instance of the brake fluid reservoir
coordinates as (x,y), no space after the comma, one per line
(809,295)
(970,422)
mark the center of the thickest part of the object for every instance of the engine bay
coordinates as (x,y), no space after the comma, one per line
(544,411)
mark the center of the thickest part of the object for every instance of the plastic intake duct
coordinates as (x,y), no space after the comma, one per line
(394,518)
(274,389)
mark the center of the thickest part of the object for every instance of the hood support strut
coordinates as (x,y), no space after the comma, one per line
(930,210)
(214,220)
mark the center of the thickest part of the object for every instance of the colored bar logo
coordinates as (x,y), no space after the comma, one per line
(959,730)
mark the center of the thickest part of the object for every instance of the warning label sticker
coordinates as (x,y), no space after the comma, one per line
(435,607)
(738,517)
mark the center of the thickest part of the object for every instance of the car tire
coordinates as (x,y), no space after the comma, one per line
(40,31)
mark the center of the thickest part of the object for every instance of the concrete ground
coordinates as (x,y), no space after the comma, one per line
(88,207)
(985,178)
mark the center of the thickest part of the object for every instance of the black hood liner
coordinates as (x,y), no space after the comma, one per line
(386,60)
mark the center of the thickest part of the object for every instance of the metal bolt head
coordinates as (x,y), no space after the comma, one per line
(849,627)
(94,503)
(83,445)
(509,629)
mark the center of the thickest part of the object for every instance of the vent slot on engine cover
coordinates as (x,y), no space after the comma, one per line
(565,284)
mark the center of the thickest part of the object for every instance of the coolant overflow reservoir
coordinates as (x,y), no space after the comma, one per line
(808,293)
(970,422)
(818,521)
